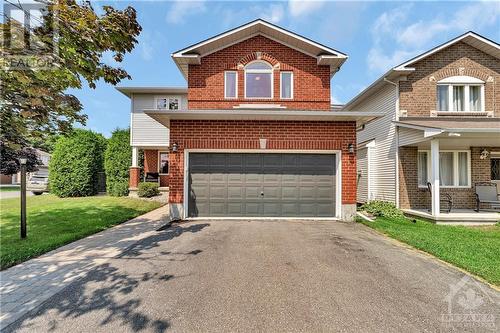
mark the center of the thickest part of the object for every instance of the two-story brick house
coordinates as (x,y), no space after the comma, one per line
(254,134)
(441,126)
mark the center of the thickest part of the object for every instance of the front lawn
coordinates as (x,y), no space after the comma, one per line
(53,222)
(475,249)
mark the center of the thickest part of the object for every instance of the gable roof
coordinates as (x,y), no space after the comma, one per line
(193,53)
(471,38)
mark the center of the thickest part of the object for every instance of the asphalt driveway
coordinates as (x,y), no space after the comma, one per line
(269,276)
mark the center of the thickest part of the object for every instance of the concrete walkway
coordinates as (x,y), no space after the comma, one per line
(27,285)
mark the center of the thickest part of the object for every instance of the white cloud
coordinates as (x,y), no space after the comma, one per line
(391,30)
(181,9)
(146,46)
(274,13)
(304,7)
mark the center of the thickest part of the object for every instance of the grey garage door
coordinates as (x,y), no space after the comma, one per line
(268,184)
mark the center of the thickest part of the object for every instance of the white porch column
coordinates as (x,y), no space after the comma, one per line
(135,157)
(435,176)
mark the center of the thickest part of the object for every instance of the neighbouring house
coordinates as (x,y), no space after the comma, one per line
(441,126)
(254,134)
(16,178)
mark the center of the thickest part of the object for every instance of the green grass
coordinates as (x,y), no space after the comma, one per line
(474,249)
(9,188)
(53,222)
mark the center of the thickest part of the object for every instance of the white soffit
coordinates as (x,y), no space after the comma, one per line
(192,54)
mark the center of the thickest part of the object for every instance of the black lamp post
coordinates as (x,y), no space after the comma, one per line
(23,161)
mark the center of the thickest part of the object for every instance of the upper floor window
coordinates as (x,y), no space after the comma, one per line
(168,103)
(230,84)
(460,93)
(258,80)
(286,85)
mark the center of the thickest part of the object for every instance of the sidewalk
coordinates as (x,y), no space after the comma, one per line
(27,285)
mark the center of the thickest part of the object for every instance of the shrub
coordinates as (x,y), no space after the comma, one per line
(382,208)
(147,190)
(117,161)
(75,163)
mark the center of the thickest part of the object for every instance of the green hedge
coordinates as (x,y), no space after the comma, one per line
(148,190)
(117,161)
(75,163)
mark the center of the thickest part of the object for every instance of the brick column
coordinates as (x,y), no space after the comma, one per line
(135,174)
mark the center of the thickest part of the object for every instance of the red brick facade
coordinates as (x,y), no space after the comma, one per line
(418,94)
(296,135)
(311,82)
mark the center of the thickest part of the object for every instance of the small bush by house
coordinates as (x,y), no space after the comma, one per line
(382,208)
(148,190)
(76,161)
(117,161)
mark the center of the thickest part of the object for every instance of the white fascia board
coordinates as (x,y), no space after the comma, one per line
(432,132)
(164,116)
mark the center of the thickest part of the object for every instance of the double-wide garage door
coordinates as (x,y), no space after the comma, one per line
(261,185)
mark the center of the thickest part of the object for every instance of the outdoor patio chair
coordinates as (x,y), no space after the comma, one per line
(446,196)
(487,193)
(152,177)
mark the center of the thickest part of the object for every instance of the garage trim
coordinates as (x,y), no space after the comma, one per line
(338,180)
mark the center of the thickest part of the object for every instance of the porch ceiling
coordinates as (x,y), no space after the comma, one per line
(452,124)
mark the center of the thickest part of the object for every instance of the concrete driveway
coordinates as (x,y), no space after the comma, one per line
(270,276)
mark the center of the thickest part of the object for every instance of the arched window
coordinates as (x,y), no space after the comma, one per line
(258,80)
(460,93)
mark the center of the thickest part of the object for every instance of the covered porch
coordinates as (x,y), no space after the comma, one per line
(441,164)
(150,164)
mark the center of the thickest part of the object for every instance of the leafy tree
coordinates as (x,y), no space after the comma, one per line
(75,163)
(117,161)
(10,160)
(35,103)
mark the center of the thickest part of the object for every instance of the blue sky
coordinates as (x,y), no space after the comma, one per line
(375,35)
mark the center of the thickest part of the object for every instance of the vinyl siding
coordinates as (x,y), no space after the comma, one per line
(409,136)
(362,171)
(383,131)
(145,131)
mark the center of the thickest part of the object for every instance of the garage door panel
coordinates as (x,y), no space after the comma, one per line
(218,208)
(298,185)
(252,192)
(253,209)
(290,193)
(272,193)
(235,192)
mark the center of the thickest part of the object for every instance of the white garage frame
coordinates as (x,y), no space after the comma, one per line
(338,180)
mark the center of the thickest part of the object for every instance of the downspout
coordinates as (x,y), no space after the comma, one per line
(396,137)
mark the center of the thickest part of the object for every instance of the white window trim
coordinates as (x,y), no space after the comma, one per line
(450,84)
(168,97)
(159,162)
(264,71)
(225,85)
(455,168)
(281,84)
